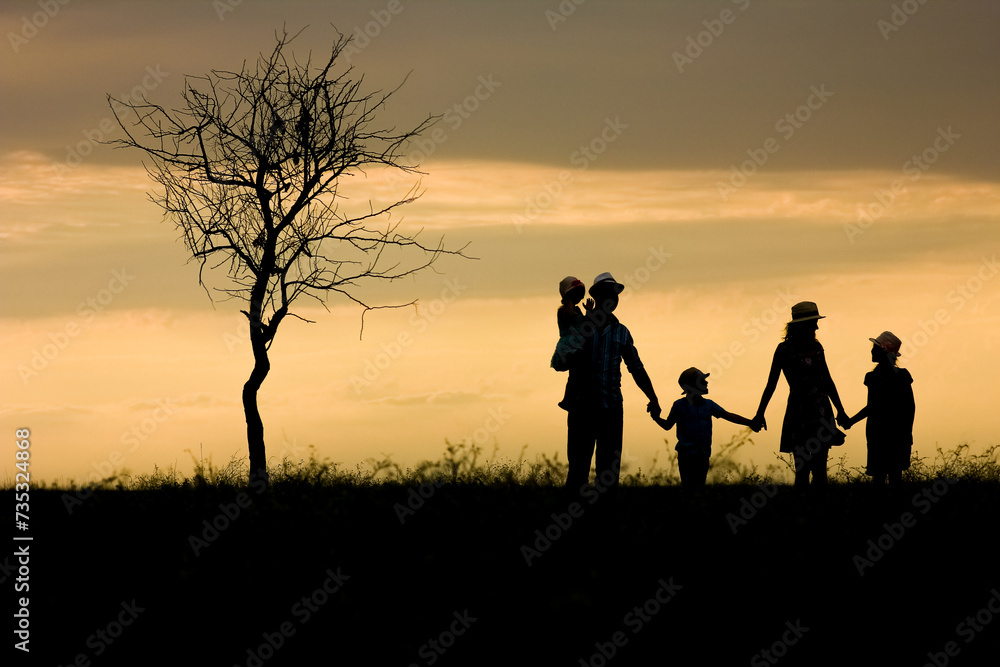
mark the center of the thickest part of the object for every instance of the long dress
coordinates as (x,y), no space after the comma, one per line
(809,413)
(890,419)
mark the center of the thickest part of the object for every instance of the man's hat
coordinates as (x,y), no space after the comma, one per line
(805,310)
(888,342)
(568,283)
(605,281)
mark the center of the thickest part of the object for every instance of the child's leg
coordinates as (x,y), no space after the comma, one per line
(693,468)
(703,466)
(684,467)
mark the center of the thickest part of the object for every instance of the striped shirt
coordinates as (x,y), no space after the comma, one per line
(610,346)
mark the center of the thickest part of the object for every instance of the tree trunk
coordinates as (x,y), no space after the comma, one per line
(255,426)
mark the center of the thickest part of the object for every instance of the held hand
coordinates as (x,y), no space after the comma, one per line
(653,408)
(843,421)
(759,423)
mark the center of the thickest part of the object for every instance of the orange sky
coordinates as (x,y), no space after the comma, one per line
(877,198)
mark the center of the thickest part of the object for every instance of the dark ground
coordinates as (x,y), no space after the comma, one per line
(459,556)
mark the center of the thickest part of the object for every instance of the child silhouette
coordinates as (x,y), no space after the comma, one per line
(693,417)
(571,341)
(889,411)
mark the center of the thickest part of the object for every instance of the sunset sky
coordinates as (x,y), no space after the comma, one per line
(723,159)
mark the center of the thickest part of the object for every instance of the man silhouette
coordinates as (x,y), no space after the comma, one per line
(596,418)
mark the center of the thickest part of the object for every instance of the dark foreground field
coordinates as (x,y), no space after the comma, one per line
(318,575)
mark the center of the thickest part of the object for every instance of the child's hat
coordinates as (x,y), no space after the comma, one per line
(805,310)
(888,342)
(692,377)
(568,283)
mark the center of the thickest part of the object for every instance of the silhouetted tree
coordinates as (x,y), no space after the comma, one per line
(250,167)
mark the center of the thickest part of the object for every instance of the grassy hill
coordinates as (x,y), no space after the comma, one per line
(462,563)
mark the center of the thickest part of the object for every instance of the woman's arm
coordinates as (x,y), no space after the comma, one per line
(842,419)
(772,384)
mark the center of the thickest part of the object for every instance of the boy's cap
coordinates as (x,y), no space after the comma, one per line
(568,283)
(888,342)
(605,281)
(692,377)
(805,310)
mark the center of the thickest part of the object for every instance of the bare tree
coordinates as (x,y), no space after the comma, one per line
(250,167)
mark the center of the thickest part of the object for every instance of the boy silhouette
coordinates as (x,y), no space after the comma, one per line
(693,417)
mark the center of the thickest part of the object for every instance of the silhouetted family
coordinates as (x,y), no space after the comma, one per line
(593,343)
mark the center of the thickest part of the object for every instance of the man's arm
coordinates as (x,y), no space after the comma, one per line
(634,365)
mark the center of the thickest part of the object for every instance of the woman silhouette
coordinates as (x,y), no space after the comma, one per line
(808,429)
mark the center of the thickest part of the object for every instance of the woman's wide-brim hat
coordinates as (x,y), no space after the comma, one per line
(804,311)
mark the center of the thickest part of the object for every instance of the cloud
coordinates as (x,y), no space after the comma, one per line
(182,402)
(438,398)
(558,86)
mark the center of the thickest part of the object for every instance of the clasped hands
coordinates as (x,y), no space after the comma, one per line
(758,422)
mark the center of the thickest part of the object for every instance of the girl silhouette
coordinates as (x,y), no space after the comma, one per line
(889,411)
